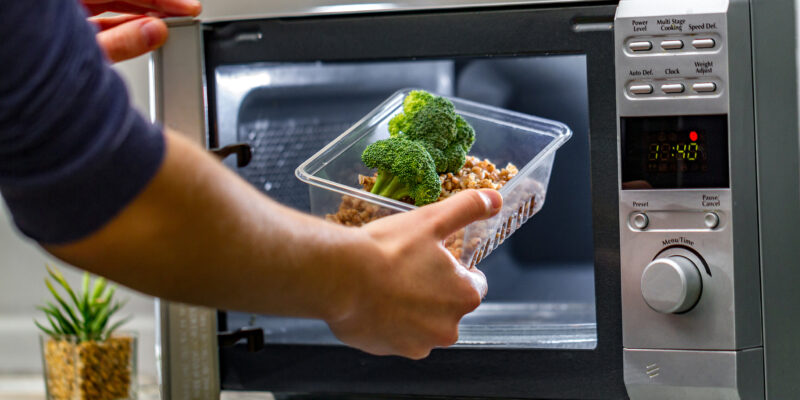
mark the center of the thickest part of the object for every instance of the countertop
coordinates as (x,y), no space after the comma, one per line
(31,387)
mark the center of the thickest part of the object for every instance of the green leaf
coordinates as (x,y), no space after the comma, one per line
(97,310)
(109,294)
(97,290)
(65,326)
(55,326)
(45,330)
(85,295)
(64,304)
(45,310)
(105,301)
(58,277)
(99,324)
(115,326)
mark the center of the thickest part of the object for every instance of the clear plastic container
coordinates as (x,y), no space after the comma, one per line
(502,137)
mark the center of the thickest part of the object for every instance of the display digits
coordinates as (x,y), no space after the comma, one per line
(694,148)
(680,148)
(671,151)
(654,152)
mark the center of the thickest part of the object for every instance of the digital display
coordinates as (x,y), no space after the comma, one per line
(675,152)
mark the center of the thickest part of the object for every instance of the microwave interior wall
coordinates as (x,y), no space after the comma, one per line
(541,280)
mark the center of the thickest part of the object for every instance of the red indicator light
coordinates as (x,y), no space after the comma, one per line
(693,136)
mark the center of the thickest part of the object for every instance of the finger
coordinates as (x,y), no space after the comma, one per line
(104,23)
(120,7)
(479,282)
(415,354)
(133,38)
(456,212)
(636,185)
(475,277)
(171,7)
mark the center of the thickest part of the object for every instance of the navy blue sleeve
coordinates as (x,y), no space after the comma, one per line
(73,152)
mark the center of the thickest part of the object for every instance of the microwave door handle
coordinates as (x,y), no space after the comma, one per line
(253,336)
(243,151)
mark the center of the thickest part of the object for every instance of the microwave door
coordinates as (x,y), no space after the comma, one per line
(289,111)
(550,325)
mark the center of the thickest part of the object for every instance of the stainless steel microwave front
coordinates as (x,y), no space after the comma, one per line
(691,300)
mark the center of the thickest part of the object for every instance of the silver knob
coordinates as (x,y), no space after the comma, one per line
(671,284)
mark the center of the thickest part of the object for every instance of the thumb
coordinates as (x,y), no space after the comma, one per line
(133,38)
(448,216)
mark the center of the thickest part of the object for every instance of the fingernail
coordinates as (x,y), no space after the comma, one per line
(152,33)
(492,198)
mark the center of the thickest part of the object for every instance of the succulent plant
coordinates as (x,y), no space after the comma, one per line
(86,316)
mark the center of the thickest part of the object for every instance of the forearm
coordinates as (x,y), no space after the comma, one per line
(199,234)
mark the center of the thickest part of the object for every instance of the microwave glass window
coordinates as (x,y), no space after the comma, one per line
(541,280)
(675,152)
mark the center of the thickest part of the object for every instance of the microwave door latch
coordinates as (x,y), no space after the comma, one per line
(253,337)
(243,151)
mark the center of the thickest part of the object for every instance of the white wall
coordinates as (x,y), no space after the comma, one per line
(22,272)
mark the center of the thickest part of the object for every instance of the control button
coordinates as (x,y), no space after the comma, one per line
(640,221)
(672,88)
(703,43)
(641,89)
(671,284)
(704,87)
(711,220)
(640,46)
(672,44)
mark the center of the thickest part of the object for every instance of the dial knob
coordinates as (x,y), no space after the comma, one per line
(671,284)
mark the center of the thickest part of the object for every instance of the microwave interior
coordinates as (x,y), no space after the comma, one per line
(541,279)
(288,86)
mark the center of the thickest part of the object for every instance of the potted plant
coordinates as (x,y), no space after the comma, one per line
(83,356)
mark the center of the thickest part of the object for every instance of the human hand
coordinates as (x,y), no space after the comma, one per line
(139,30)
(410,292)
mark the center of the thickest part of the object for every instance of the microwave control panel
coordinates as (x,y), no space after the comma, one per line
(685,294)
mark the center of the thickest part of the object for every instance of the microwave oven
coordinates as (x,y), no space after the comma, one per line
(663,265)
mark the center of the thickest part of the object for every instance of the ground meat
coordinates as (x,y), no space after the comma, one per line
(475,174)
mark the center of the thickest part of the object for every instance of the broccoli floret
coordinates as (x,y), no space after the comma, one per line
(405,169)
(428,124)
(450,159)
(455,156)
(439,159)
(413,102)
(434,122)
(465,134)
(397,125)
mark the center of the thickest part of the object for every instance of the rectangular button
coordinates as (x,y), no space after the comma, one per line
(703,43)
(641,89)
(672,44)
(672,88)
(640,46)
(704,87)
